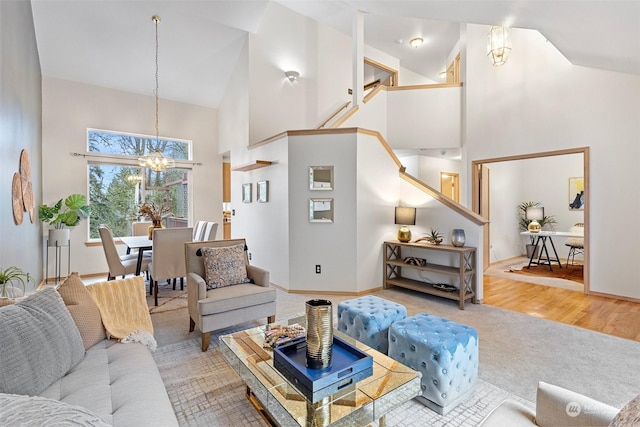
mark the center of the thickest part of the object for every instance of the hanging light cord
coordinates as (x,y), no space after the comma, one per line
(156,20)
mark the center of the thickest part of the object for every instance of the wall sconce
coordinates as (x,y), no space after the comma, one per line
(416,42)
(292,75)
(534,214)
(405,216)
(499,45)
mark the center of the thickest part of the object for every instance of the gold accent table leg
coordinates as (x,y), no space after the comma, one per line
(256,404)
(382,422)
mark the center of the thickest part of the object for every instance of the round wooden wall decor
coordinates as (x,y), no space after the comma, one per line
(27,186)
(16,198)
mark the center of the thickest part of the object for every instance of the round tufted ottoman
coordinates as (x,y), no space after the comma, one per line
(444,351)
(368,318)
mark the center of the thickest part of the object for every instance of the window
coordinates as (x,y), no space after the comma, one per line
(118,186)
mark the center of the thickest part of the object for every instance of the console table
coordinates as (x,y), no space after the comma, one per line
(463,272)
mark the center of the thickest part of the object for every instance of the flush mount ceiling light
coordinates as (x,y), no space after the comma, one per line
(416,42)
(156,160)
(292,75)
(499,45)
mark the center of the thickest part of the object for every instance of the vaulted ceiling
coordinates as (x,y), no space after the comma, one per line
(110,43)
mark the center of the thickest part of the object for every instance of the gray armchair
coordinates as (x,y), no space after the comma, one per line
(222,307)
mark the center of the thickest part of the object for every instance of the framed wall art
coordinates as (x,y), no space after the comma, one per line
(262,188)
(321,178)
(246,193)
(576,194)
(320,210)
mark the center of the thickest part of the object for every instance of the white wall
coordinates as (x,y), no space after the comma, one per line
(233,114)
(20,128)
(539,102)
(70,108)
(431,167)
(407,77)
(424,118)
(332,245)
(265,226)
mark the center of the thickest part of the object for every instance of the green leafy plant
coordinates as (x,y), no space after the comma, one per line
(12,276)
(66,212)
(549,220)
(434,236)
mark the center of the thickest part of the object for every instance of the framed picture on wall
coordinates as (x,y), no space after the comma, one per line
(576,194)
(262,188)
(246,193)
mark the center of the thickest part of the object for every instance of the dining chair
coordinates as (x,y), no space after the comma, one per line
(140,228)
(210,230)
(119,265)
(198,230)
(167,258)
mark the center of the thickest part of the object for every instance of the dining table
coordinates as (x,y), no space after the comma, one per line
(141,243)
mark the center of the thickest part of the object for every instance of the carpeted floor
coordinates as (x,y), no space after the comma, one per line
(205,391)
(516,351)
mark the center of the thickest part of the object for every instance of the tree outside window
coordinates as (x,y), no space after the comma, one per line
(118,187)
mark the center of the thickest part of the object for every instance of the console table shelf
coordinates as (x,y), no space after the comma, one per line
(464,271)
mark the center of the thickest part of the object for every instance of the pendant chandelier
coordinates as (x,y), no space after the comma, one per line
(156,160)
(499,45)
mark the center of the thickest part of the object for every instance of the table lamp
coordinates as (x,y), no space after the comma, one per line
(405,216)
(534,214)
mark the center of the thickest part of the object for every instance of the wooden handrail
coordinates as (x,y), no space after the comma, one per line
(335,113)
(450,203)
(344,117)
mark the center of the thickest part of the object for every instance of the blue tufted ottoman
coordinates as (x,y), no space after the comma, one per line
(444,351)
(368,318)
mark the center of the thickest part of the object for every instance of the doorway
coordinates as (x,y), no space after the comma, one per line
(450,185)
(481,191)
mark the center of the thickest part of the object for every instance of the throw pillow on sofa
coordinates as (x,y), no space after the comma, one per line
(39,343)
(224,266)
(83,309)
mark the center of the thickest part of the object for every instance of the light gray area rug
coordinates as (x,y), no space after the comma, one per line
(516,350)
(205,391)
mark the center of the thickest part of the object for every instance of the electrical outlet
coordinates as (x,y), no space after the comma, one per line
(249,256)
(318,270)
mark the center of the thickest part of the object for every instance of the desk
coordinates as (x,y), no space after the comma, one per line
(141,243)
(543,236)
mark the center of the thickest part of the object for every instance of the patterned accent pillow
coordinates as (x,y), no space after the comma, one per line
(224,266)
(83,309)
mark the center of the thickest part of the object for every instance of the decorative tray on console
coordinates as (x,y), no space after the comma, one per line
(348,366)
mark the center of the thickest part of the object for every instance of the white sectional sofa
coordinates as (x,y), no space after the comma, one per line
(59,366)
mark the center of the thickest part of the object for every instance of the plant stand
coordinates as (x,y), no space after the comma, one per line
(58,248)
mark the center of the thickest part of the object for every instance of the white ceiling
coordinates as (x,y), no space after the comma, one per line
(111,43)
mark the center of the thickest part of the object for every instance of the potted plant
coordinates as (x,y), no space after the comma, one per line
(9,278)
(434,237)
(65,213)
(523,222)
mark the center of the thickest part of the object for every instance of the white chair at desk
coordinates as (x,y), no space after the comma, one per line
(576,244)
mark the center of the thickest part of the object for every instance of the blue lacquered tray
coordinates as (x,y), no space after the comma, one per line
(348,366)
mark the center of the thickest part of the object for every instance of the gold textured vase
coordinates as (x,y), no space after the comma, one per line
(319,314)
(157,223)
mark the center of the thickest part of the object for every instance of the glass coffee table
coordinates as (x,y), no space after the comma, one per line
(360,404)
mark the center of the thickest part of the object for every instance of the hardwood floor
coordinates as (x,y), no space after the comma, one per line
(610,316)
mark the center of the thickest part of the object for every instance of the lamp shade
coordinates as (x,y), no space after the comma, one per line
(535,212)
(405,215)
